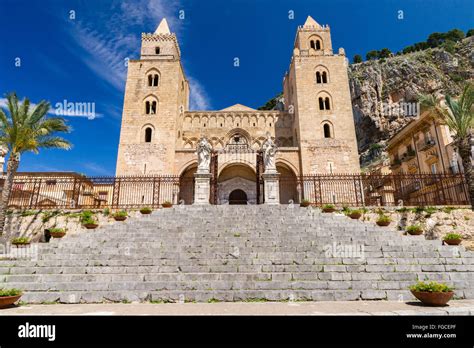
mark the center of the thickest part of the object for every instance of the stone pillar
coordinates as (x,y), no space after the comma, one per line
(202,188)
(271,187)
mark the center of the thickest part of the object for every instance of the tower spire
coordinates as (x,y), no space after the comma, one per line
(163,28)
(310,22)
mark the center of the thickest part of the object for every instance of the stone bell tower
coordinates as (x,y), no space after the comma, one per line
(156,94)
(316,90)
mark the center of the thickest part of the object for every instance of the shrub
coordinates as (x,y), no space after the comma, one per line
(413,229)
(56,230)
(20,240)
(87,217)
(452,236)
(145,210)
(106,212)
(431,287)
(121,213)
(384,218)
(329,206)
(10,292)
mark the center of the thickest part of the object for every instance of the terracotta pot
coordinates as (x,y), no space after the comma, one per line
(21,245)
(304,204)
(8,300)
(433,298)
(416,232)
(383,223)
(57,234)
(452,241)
(146,212)
(90,226)
(355,216)
(329,210)
(167,205)
(120,218)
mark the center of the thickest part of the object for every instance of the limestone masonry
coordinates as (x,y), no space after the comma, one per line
(313,126)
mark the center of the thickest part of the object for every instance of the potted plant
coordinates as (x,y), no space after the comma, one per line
(88,220)
(57,232)
(329,208)
(146,210)
(305,203)
(9,297)
(383,220)
(452,239)
(354,214)
(120,215)
(167,204)
(414,230)
(20,241)
(432,293)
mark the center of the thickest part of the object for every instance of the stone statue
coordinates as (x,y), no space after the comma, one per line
(269,149)
(204,149)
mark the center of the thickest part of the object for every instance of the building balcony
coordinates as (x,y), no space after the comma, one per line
(407,156)
(426,144)
(395,164)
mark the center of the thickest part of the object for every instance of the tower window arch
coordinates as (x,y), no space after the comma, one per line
(312,44)
(150,107)
(153,80)
(324,103)
(318,45)
(327,129)
(318,77)
(148,134)
(322,75)
(157,50)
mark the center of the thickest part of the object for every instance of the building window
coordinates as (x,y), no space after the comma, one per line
(325,77)
(315,44)
(327,130)
(434,169)
(321,77)
(312,44)
(148,134)
(318,77)
(324,103)
(150,107)
(157,50)
(153,80)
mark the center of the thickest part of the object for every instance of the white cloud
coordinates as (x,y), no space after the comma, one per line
(96,169)
(105,49)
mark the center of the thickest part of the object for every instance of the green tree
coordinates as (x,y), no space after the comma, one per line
(23,130)
(470,32)
(458,114)
(435,39)
(385,53)
(371,55)
(357,58)
(454,35)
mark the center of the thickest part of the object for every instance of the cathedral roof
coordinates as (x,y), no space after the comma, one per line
(238,107)
(310,22)
(163,28)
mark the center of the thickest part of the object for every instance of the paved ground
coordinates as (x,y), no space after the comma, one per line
(458,307)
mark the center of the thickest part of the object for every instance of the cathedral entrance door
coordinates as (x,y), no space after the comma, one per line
(238,197)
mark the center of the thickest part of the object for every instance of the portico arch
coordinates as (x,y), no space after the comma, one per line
(186,184)
(288,184)
(237,176)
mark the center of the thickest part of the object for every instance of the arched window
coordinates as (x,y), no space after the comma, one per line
(312,44)
(150,107)
(157,50)
(318,77)
(153,80)
(148,134)
(327,130)
(318,45)
(325,77)
(324,103)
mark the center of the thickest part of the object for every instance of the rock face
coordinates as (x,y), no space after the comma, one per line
(379,87)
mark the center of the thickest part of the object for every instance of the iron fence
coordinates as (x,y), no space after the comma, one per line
(78,192)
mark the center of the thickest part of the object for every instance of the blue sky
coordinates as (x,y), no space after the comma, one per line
(81,59)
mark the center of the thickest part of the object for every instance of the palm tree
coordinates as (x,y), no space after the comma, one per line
(458,114)
(24,130)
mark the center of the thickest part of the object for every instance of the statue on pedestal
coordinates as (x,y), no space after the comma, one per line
(204,149)
(269,149)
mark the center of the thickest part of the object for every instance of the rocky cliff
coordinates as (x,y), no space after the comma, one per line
(379,86)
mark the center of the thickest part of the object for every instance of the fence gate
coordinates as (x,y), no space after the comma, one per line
(214,177)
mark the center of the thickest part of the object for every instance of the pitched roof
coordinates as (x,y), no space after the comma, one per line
(163,28)
(238,107)
(310,22)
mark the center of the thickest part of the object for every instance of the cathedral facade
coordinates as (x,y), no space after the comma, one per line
(313,125)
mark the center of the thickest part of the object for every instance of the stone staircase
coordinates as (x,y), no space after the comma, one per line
(236,253)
